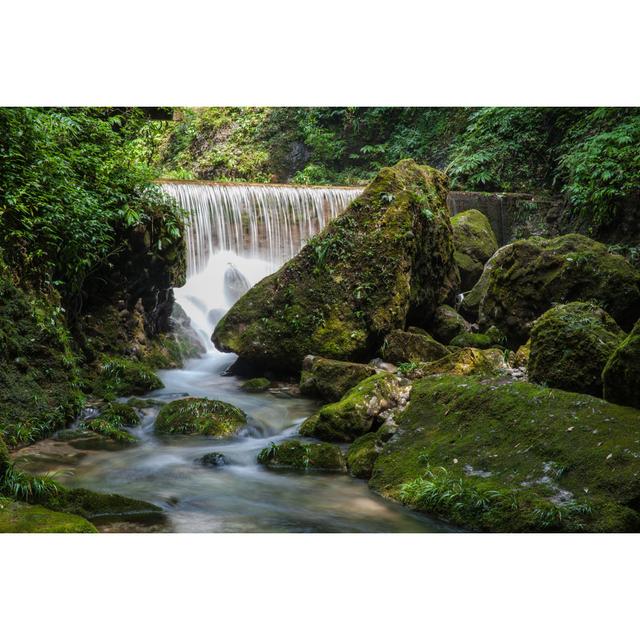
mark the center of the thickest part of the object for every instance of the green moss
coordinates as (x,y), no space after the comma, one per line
(621,375)
(475,340)
(102,507)
(362,454)
(110,428)
(570,346)
(18,517)
(301,456)
(403,346)
(474,243)
(170,350)
(358,411)
(122,377)
(463,362)
(200,415)
(519,457)
(124,413)
(389,254)
(331,379)
(256,385)
(526,278)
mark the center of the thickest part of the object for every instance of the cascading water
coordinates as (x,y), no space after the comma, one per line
(236,235)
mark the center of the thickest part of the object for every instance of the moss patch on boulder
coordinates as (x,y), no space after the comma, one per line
(514,457)
(302,456)
(387,257)
(362,409)
(256,385)
(524,279)
(463,362)
(331,379)
(570,346)
(123,377)
(200,416)
(621,375)
(362,454)
(19,517)
(403,346)
(474,243)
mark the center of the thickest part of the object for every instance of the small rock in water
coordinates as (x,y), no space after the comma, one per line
(213,459)
(235,284)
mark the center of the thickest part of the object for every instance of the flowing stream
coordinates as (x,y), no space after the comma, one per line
(236,236)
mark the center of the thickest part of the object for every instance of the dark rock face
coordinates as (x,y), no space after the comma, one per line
(386,259)
(621,375)
(447,323)
(213,459)
(524,279)
(474,243)
(570,345)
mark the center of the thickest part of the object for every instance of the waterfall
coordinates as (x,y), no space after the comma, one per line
(240,233)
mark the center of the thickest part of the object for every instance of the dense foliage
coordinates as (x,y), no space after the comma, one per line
(587,155)
(69,180)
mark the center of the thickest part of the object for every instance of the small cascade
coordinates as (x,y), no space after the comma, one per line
(239,233)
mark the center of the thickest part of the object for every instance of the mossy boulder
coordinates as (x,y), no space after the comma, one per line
(621,375)
(404,346)
(474,243)
(362,409)
(520,359)
(362,454)
(387,258)
(110,424)
(302,456)
(514,457)
(124,377)
(200,416)
(102,507)
(570,346)
(256,385)
(447,323)
(331,379)
(19,517)
(486,363)
(122,413)
(526,278)
(475,340)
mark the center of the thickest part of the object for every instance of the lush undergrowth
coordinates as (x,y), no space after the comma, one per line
(586,155)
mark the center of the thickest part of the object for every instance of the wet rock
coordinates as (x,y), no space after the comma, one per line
(200,416)
(526,278)
(474,243)
(403,346)
(235,284)
(570,346)
(256,385)
(362,409)
(621,375)
(213,459)
(387,257)
(302,456)
(331,379)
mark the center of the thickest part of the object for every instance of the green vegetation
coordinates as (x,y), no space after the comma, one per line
(201,416)
(18,517)
(408,346)
(301,456)
(256,385)
(331,379)
(621,375)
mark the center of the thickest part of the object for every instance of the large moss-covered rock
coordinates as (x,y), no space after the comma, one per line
(362,409)
(302,456)
(486,363)
(514,457)
(201,416)
(19,517)
(474,243)
(524,279)
(256,385)
(388,257)
(621,375)
(404,346)
(570,345)
(331,379)
(124,377)
(362,454)
(447,323)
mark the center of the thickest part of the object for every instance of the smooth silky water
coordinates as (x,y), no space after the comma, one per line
(236,236)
